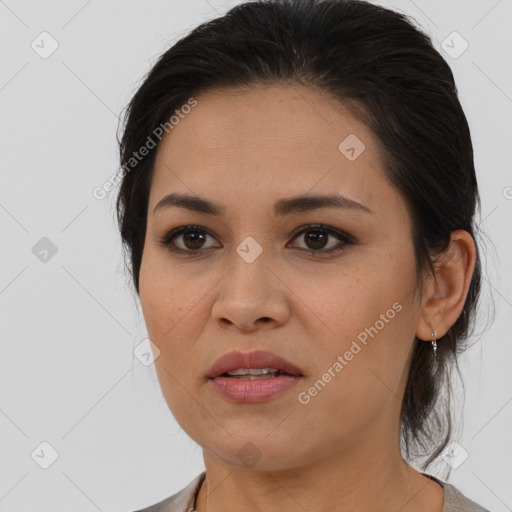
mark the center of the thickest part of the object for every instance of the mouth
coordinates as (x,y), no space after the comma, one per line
(254,373)
(252,366)
(253,377)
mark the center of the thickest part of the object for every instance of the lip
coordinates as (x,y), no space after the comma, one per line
(253,391)
(257,390)
(255,359)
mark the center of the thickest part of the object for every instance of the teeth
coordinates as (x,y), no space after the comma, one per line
(252,371)
(255,377)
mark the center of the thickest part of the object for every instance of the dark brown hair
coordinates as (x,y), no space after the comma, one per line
(381,67)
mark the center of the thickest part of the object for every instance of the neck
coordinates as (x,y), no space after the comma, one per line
(355,480)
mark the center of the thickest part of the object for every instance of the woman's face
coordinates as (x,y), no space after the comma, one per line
(248,280)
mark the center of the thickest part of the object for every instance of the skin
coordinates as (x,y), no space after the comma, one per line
(245,150)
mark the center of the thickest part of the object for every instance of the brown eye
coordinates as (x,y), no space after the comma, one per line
(319,240)
(192,239)
(316,238)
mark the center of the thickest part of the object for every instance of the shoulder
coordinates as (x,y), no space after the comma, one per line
(455,501)
(182,501)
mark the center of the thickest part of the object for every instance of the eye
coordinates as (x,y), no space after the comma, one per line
(317,237)
(193,238)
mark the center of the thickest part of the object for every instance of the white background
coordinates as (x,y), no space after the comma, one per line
(68,375)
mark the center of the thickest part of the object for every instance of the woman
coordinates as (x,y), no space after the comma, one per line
(297,204)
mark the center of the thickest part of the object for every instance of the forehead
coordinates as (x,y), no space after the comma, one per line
(269,142)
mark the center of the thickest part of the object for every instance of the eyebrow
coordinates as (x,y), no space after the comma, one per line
(282,207)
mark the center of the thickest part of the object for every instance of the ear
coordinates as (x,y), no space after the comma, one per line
(445,293)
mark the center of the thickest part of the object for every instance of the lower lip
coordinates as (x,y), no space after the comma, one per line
(256,390)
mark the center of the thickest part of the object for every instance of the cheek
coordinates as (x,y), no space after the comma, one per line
(350,301)
(360,370)
(367,319)
(165,305)
(164,297)
(174,310)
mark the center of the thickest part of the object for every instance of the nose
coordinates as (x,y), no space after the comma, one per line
(251,296)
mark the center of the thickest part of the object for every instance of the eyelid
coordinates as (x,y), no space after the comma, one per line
(324,227)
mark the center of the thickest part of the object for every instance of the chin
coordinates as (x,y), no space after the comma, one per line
(258,453)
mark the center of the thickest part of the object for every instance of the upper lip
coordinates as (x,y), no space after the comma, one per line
(256,359)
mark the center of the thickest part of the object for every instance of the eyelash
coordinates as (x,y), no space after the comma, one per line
(168,239)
